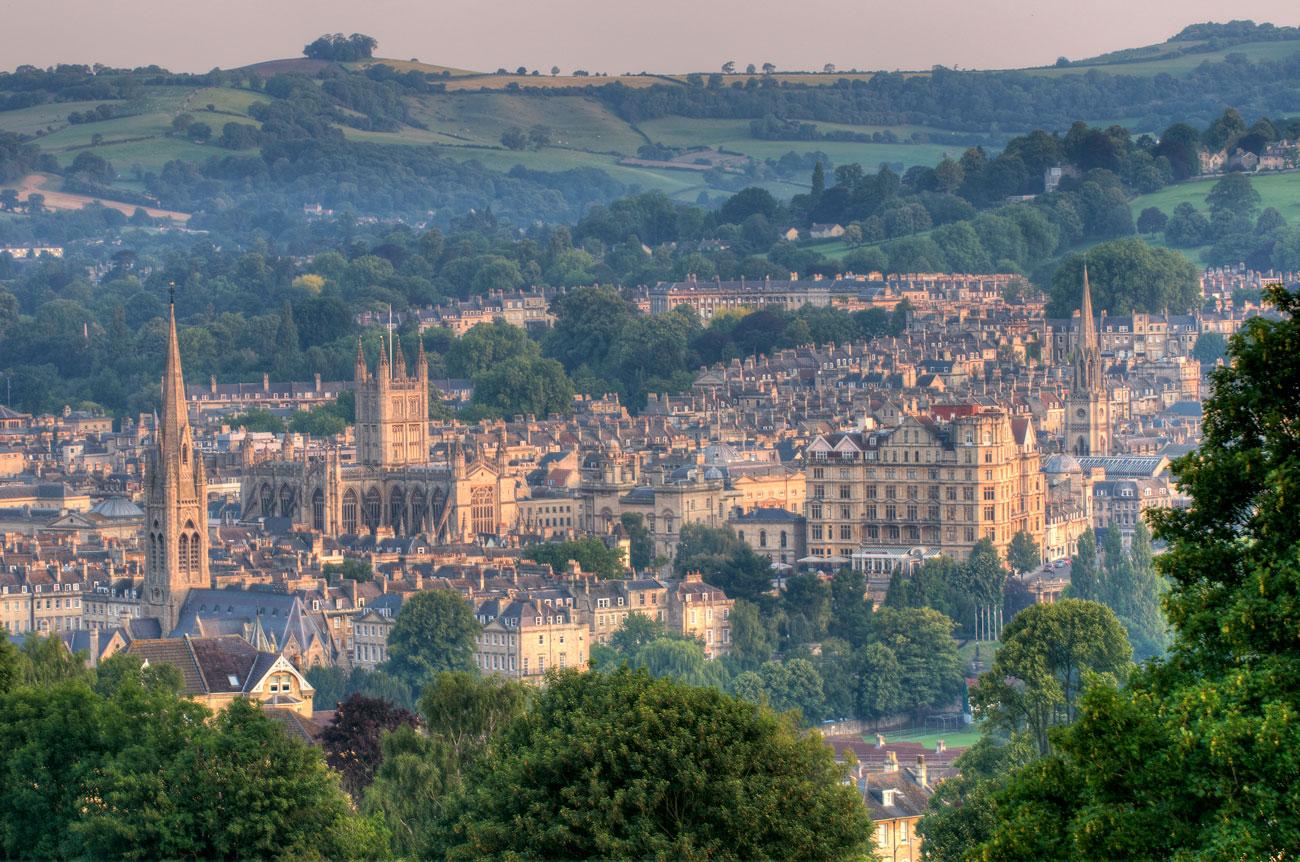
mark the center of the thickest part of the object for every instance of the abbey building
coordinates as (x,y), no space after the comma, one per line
(393,487)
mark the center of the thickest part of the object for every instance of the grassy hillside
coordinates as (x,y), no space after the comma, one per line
(1163,59)
(1280,190)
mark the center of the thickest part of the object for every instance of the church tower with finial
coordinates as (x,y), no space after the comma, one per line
(1087,416)
(176,507)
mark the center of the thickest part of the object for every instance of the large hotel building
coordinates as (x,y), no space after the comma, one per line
(930,483)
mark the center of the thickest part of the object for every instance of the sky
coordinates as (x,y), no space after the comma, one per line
(607,35)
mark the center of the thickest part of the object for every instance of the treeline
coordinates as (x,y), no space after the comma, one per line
(976,101)
(336,46)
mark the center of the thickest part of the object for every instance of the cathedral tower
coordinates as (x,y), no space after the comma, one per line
(1087,415)
(392,425)
(176,506)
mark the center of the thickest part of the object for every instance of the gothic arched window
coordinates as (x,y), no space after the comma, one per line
(350,512)
(318,510)
(183,552)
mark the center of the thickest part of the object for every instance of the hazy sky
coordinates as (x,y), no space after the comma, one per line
(607,35)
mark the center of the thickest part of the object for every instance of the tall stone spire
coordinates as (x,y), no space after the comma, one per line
(1087,323)
(176,505)
(1087,352)
(175,412)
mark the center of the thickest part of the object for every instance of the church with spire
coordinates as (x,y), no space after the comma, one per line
(176,507)
(392,486)
(1087,415)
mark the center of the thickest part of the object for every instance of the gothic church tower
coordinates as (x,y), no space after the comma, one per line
(392,424)
(176,507)
(1087,415)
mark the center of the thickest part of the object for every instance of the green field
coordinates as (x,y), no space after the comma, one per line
(964,738)
(1279,190)
(733,135)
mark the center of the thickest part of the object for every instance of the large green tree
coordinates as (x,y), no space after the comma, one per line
(435,631)
(623,766)
(1047,652)
(1195,758)
(1126,275)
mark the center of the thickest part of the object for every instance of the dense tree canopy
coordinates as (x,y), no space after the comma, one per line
(624,766)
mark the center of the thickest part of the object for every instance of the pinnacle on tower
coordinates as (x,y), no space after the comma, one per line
(399,359)
(421,363)
(361,371)
(383,360)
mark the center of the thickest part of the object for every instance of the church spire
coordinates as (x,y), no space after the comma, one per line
(1087,323)
(173,395)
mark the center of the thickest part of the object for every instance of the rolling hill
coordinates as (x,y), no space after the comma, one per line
(607,123)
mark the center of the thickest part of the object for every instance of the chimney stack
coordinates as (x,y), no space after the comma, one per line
(880,740)
(891,763)
(922,774)
(940,747)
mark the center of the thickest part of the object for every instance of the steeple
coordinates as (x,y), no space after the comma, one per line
(176,510)
(385,372)
(1087,323)
(421,363)
(175,412)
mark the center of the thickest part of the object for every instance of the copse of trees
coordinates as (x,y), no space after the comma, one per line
(136,769)
(336,46)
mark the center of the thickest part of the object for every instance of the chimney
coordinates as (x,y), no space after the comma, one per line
(266,382)
(940,747)
(880,740)
(891,762)
(922,775)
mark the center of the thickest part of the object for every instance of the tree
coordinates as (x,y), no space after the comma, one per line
(257,419)
(1127,275)
(793,685)
(1086,580)
(729,67)
(288,350)
(880,691)
(1023,553)
(1234,194)
(641,544)
(850,608)
(1187,228)
(591,554)
(1047,652)
(466,712)
(752,643)
(921,640)
(1152,220)
(351,569)
(1210,771)
(622,765)
(962,812)
(514,138)
(341,48)
(555,70)
(351,739)
(769,68)
(435,631)
(724,560)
